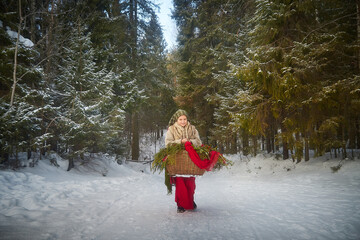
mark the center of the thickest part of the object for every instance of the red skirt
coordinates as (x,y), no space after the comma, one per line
(184,192)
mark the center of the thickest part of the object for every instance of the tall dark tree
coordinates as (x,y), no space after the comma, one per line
(293,62)
(90,63)
(196,41)
(207,40)
(85,99)
(156,78)
(145,47)
(23,99)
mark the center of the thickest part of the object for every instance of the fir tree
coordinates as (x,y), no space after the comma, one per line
(294,56)
(84,96)
(206,42)
(24,104)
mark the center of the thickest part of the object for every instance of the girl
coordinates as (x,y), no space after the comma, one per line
(181,131)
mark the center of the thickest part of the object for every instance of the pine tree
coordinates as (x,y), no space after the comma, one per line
(232,23)
(156,79)
(206,42)
(24,104)
(144,50)
(195,81)
(84,95)
(293,59)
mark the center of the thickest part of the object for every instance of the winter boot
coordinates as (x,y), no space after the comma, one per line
(180,209)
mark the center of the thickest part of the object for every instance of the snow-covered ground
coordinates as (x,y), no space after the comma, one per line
(258,198)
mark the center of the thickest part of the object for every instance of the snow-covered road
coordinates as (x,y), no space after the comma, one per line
(258,199)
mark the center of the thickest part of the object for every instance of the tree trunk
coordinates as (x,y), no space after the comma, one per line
(307,150)
(254,140)
(285,145)
(15,57)
(358,32)
(298,148)
(49,43)
(275,147)
(245,143)
(5,156)
(358,134)
(28,153)
(221,148)
(335,152)
(17,160)
(268,142)
(233,144)
(344,155)
(352,134)
(32,21)
(71,164)
(285,150)
(133,22)
(135,149)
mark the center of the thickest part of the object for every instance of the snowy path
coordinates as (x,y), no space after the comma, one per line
(241,203)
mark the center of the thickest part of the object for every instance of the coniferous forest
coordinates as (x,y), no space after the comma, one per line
(92,76)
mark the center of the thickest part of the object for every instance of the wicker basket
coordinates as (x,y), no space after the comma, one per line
(183,166)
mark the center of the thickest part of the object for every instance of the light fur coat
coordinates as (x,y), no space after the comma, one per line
(176,133)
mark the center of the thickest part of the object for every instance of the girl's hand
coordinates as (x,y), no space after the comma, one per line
(184,140)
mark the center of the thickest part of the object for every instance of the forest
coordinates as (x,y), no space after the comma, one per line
(80,77)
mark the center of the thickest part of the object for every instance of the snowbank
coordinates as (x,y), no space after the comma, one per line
(257,198)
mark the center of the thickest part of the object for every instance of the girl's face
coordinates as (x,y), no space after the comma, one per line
(182,120)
